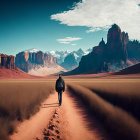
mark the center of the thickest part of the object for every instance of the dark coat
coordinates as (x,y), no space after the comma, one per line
(56,85)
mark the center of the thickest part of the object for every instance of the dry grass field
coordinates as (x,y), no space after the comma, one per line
(124,94)
(20,99)
(114,102)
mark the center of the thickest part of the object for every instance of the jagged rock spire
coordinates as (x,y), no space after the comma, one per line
(102,43)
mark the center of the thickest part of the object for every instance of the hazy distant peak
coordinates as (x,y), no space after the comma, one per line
(67,51)
(80,50)
(75,55)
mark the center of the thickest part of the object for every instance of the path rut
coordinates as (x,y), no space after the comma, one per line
(52,122)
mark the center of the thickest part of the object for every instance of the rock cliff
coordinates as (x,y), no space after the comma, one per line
(7,61)
(105,57)
(116,43)
(133,49)
(29,60)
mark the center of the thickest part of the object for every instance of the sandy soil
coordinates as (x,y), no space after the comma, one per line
(104,76)
(6,74)
(53,122)
(15,74)
(47,70)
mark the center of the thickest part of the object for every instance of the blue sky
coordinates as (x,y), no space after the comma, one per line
(65,25)
(28,24)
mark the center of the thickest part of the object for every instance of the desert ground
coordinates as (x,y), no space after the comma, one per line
(92,108)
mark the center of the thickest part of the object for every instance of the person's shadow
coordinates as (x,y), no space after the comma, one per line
(50,105)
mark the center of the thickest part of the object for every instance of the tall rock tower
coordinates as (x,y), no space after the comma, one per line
(116,43)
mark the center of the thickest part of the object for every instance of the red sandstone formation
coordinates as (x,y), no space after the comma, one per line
(106,57)
(7,61)
(116,42)
(28,60)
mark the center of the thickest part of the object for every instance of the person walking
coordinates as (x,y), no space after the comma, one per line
(60,87)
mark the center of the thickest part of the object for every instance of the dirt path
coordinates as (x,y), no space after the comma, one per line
(54,122)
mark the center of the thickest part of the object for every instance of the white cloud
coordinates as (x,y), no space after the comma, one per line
(93,29)
(100,14)
(73,44)
(68,40)
(64,42)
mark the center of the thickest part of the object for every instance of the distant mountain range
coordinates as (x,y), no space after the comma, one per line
(39,63)
(118,53)
(69,59)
